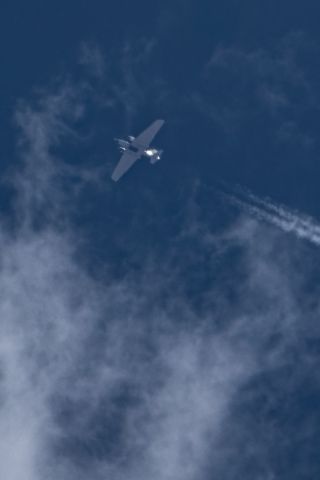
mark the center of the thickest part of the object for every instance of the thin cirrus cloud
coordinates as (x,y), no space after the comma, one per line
(241,86)
(129,83)
(92,58)
(102,378)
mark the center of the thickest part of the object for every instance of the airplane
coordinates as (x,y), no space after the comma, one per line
(136,147)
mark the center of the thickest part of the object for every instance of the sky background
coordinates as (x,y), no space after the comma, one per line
(165,326)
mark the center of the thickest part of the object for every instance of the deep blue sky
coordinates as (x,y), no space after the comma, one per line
(41,41)
(166,326)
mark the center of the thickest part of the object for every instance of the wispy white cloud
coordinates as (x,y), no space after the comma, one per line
(43,126)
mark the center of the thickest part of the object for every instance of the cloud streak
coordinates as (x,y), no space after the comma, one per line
(291,221)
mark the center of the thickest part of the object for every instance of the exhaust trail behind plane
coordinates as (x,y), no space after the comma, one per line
(290,221)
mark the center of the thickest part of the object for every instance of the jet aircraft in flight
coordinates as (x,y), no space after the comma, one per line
(136,147)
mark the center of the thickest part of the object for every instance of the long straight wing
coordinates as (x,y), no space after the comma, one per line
(145,138)
(125,162)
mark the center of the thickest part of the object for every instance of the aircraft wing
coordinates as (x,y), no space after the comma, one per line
(145,138)
(126,161)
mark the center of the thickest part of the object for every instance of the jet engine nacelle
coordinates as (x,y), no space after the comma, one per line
(130,138)
(122,144)
(156,156)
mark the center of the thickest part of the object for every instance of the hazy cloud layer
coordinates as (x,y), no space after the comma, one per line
(132,377)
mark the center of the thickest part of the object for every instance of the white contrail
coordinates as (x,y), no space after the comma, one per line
(301,225)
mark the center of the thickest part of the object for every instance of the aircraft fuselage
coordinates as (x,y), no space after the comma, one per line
(152,153)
